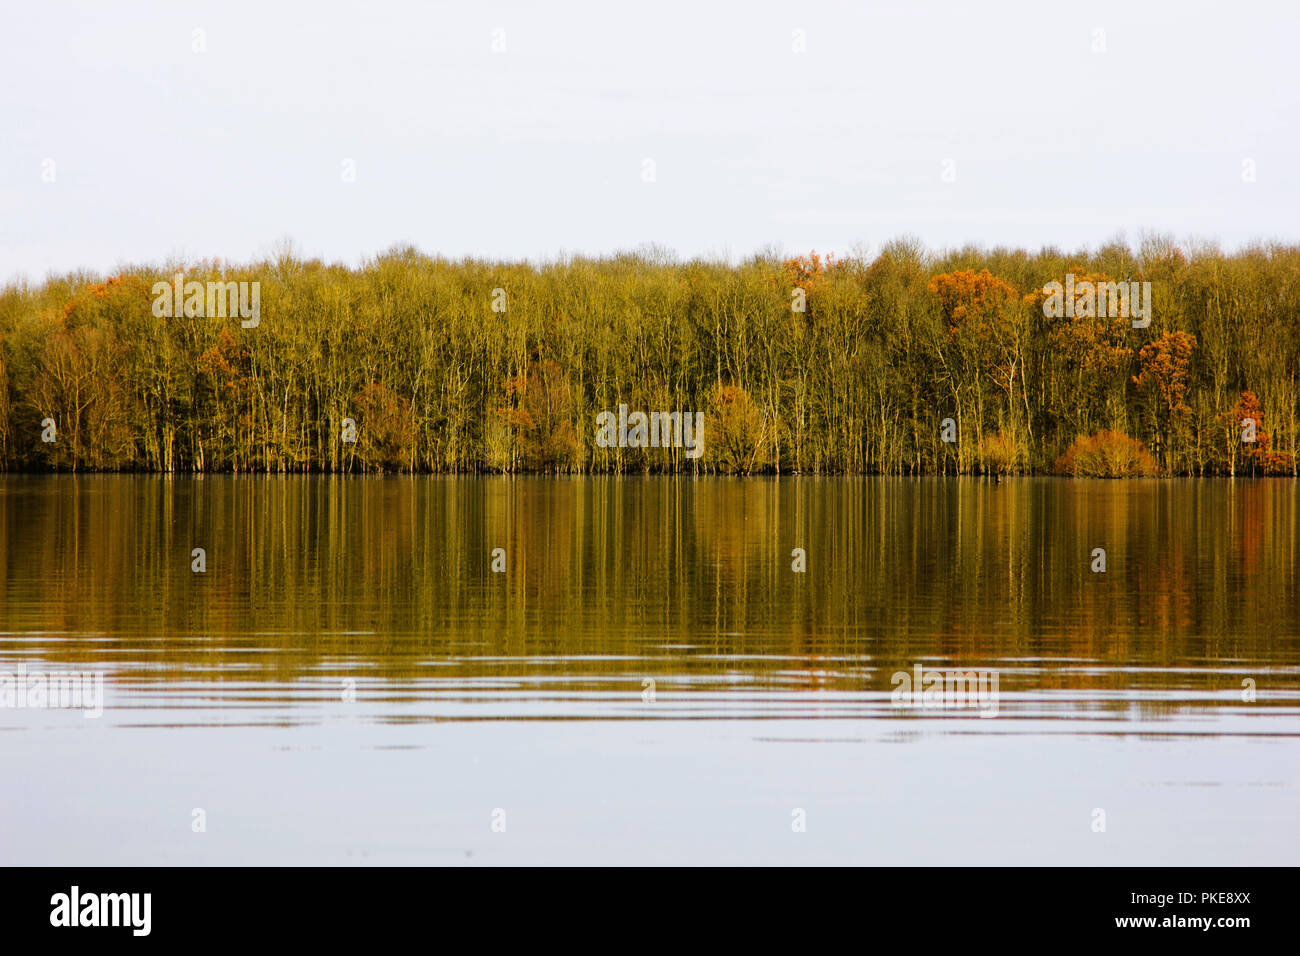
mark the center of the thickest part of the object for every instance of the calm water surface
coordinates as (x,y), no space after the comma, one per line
(649,681)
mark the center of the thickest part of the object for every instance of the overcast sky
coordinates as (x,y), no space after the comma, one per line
(1016,123)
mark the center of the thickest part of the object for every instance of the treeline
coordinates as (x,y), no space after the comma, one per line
(907,363)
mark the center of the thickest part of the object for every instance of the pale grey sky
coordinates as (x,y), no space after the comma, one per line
(993,122)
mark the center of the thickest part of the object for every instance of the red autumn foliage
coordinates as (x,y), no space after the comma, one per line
(1258,456)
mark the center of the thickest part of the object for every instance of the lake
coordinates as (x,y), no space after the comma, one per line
(659,670)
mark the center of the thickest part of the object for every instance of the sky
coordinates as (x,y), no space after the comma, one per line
(149,132)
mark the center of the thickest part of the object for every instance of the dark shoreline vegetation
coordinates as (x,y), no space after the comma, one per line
(417,353)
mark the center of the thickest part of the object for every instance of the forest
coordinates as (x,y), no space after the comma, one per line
(907,362)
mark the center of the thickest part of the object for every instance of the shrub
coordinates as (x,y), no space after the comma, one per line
(386,429)
(1107,454)
(739,430)
(1000,455)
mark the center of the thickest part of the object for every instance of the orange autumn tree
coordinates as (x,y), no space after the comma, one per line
(385,428)
(77,385)
(1166,365)
(224,391)
(1248,443)
(808,273)
(738,430)
(981,341)
(539,415)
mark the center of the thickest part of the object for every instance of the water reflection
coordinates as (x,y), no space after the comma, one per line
(652,598)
